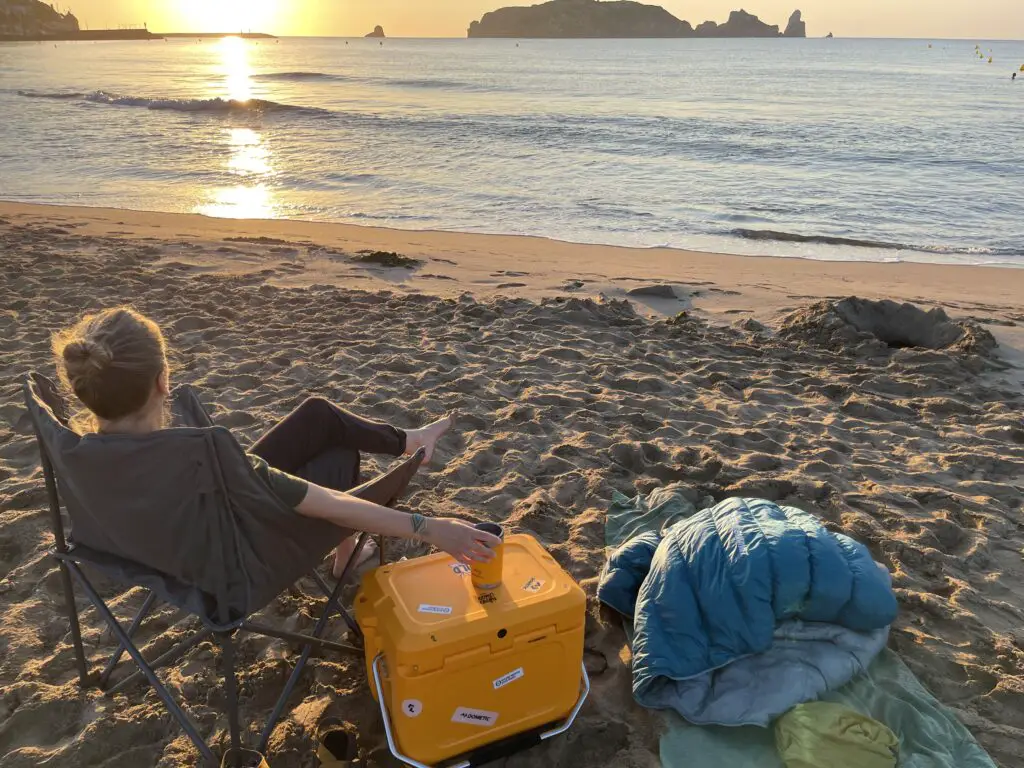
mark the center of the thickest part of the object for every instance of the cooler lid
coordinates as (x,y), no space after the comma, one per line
(431,601)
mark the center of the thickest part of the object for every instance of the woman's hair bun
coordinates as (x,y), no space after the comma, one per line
(111,360)
(85,357)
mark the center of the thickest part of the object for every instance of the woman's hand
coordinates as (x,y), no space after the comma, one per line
(460,540)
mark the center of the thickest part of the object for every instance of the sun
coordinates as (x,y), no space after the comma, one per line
(230,15)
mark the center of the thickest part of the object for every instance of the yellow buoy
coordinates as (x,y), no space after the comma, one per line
(1022,67)
(989,59)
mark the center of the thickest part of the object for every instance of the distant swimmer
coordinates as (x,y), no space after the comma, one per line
(1013,76)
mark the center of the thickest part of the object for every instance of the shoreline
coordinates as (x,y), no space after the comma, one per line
(778,244)
(720,287)
(563,399)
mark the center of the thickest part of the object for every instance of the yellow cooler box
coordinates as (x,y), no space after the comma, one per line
(462,672)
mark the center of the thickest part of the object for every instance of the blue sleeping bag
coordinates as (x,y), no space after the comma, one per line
(740,599)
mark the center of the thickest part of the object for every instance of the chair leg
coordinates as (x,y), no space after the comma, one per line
(163,660)
(147,606)
(227,644)
(338,607)
(343,579)
(76,630)
(296,673)
(178,713)
(262,629)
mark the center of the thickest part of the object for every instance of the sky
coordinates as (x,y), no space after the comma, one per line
(972,19)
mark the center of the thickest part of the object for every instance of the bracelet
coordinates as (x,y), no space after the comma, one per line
(419,525)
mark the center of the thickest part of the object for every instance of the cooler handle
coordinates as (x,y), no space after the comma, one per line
(393,746)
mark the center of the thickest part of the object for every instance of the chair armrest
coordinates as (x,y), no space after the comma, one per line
(51,395)
(386,489)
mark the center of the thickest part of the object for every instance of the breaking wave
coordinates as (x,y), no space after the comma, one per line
(792,237)
(215,105)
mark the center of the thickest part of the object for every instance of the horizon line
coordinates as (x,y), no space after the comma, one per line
(465,37)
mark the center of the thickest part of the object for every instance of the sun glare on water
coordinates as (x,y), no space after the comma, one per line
(235,56)
(248,158)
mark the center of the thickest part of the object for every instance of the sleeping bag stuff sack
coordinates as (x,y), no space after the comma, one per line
(822,734)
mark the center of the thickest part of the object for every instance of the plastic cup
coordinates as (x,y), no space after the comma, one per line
(487,576)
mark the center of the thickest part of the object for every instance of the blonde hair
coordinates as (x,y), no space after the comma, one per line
(111,360)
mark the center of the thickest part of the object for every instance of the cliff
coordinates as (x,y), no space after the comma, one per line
(378,31)
(740,24)
(31,18)
(796,27)
(581,18)
(619,18)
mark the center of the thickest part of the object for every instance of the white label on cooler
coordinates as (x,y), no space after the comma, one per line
(504,680)
(443,610)
(412,707)
(474,717)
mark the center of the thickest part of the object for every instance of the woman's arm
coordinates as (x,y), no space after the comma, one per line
(458,539)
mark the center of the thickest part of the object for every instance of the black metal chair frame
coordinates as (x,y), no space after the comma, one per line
(71,557)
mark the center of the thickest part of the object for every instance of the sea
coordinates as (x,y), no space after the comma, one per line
(870,150)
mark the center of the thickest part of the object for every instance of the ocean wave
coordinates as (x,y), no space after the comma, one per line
(424,83)
(216,105)
(444,85)
(298,76)
(792,237)
(386,216)
(51,94)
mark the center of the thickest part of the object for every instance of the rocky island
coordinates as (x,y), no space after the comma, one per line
(26,19)
(619,18)
(35,21)
(378,31)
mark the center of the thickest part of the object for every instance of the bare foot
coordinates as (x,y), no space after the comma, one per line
(343,553)
(427,437)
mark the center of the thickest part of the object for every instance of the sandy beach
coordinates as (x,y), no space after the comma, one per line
(727,373)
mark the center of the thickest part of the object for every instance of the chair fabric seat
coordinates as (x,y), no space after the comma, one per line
(182,506)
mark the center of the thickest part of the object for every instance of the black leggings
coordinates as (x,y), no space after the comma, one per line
(321,443)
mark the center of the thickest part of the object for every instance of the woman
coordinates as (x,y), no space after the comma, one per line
(115,361)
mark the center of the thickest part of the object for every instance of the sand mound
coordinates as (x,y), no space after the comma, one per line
(662,291)
(865,327)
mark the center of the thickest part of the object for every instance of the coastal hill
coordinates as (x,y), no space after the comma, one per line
(620,18)
(31,18)
(378,31)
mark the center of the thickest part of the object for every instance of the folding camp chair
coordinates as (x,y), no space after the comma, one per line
(181,513)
